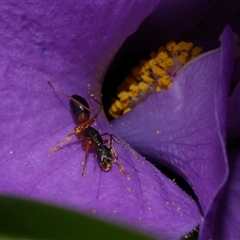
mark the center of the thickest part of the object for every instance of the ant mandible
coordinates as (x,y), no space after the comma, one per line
(90,137)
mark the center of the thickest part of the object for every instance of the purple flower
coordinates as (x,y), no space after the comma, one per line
(185,129)
(72,43)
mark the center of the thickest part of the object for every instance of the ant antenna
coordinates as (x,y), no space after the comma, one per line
(62,93)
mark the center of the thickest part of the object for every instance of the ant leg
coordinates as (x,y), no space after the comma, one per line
(77,131)
(57,90)
(85,158)
(68,138)
(90,121)
(93,96)
(116,159)
(119,141)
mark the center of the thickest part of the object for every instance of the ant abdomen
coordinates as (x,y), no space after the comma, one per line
(80,114)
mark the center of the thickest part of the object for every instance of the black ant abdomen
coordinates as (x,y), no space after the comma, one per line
(80,113)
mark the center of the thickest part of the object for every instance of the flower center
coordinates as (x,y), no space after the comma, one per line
(153,75)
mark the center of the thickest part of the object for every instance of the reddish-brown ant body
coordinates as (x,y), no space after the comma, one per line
(90,137)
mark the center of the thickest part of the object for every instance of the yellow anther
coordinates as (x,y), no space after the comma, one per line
(172,47)
(114,114)
(158,88)
(143,86)
(123,95)
(126,110)
(196,51)
(164,82)
(184,54)
(134,90)
(158,72)
(182,58)
(147,79)
(185,46)
(130,95)
(162,56)
(118,105)
(124,103)
(113,108)
(168,63)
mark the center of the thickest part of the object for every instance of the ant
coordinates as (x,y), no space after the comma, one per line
(90,137)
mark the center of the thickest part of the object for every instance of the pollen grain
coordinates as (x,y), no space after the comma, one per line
(153,75)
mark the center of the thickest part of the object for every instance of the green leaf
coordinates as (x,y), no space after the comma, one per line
(32,220)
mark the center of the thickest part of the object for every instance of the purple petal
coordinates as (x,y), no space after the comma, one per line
(226,221)
(191,120)
(72,48)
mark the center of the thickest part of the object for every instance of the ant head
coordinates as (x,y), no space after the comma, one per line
(80,108)
(105,158)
